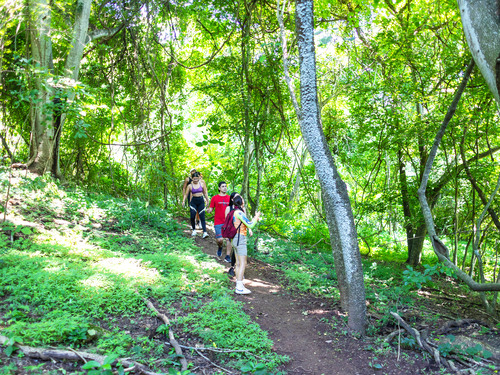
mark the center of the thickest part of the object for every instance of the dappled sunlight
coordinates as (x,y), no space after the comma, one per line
(318,312)
(209,264)
(53,269)
(69,243)
(130,268)
(257,283)
(97,281)
(19,220)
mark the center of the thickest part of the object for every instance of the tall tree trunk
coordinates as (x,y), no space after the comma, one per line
(42,131)
(343,236)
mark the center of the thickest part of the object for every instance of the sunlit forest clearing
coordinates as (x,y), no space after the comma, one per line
(362,136)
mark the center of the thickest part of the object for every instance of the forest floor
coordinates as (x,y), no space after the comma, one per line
(313,333)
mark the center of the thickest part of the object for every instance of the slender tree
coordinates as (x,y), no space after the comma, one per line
(343,235)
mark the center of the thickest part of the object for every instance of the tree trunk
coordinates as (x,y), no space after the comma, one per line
(481,23)
(47,124)
(42,131)
(295,192)
(343,236)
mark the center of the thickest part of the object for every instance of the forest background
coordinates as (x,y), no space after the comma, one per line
(125,98)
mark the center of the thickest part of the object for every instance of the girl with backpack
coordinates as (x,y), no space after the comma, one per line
(244,228)
(197,190)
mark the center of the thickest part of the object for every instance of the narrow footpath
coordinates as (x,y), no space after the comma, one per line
(311,331)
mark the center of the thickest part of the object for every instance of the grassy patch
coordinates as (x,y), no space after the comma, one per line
(75,267)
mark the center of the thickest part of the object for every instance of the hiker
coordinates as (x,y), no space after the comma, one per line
(197,190)
(244,227)
(187,182)
(229,209)
(219,203)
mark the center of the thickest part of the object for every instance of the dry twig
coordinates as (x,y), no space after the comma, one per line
(213,364)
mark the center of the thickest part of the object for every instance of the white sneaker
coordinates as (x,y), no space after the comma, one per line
(194,233)
(205,234)
(242,290)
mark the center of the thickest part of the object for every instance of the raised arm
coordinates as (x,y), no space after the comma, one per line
(245,220)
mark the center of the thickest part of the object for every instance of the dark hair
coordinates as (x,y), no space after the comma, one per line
(195,174)
(220,183)
(231,203)
(238,201)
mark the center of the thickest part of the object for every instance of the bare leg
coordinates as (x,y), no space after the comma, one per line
(229,247)
(241,264)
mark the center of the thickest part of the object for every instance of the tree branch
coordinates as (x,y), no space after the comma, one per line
(108,33)
(439,248)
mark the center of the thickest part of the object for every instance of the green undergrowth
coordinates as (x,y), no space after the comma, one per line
(75,269)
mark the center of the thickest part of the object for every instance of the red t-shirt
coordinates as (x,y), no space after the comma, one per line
(219,203)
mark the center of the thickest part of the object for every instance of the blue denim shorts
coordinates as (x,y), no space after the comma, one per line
(218,230)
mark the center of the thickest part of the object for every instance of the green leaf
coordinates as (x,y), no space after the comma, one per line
(26,230)
(110,359)
(10,349)
(487,354)
(91,364)
(247,368)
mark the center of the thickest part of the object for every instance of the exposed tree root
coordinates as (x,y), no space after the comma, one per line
(171,337)
(421,343)
(72,355)
(432,349)
(389,337)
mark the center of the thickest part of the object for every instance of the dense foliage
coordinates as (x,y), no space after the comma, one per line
(186,84)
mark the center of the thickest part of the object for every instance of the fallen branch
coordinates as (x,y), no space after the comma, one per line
(467,361)
(171,337)
(52,354)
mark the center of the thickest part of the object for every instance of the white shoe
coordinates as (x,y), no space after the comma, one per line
(194,233)
(243,290)
(240,289)
(205,234)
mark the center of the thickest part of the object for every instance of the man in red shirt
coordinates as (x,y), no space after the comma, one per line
(219,203)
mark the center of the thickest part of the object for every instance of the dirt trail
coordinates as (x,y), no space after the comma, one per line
(298,326)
